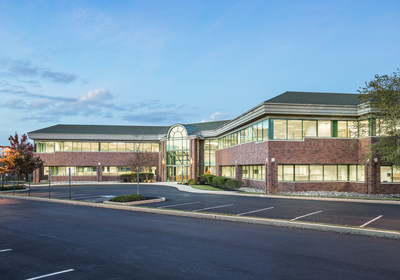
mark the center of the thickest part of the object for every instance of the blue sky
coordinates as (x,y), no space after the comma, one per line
(164,62)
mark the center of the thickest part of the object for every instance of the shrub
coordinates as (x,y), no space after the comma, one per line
(132,177)
(206,179)
(192,182)
(128,198)
(219,182)
(233,185)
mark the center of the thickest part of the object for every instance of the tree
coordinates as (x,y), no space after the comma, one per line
(382,96)
(20,158)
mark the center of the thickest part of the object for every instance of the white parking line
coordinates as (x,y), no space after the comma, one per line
(51,274)
(373,220)
(212,207)
(5,250)
(254,211)
(180,204)
(306,215)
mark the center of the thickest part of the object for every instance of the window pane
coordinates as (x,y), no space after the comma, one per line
(324,128)
(353,129)
(49,147)
(330,173)
(342,129)
(316,172)
(294,129)
(386,174)
(280,129)
(301,172)
(280,173)
(265,130)
(396,175)
(94,146)
(76,146)
(353,172)
(309,128)
(259,132)
(363,128)
(288,173)
(121,146)
(86,147)
(104,147)
(112,147)
(59,146)
(342,173)
(360,173)
(67,146)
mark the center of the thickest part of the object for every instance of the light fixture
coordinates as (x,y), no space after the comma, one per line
(191,161)
(273,159)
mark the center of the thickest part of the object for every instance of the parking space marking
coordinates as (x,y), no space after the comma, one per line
(306,215)
(373,220)
(51,274)
(220,206)
(5,250)
(180,204)
(254,211)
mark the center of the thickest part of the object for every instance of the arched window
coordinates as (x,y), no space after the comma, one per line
(178,154)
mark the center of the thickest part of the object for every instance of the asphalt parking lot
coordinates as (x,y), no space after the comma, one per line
(379,216)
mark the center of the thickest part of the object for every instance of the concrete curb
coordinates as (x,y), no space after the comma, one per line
(146,201)
(219,217)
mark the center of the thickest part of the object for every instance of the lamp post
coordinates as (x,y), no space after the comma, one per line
(138,165)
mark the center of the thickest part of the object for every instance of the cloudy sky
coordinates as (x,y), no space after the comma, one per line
(164,62)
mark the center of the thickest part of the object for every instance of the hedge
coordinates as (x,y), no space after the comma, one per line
(128,198)
(206,179)
(131,177)
(220,182)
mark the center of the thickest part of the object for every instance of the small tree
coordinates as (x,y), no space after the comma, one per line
(20,158)
(382,96)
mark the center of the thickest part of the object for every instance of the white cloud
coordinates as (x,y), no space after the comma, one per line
(217,116)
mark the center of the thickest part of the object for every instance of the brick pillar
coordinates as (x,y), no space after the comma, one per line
(238,171)
(99,173)
(271,177)
(36,175)
(372,176)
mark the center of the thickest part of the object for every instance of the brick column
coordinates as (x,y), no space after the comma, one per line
(271,177)
(238,171)
(99,173)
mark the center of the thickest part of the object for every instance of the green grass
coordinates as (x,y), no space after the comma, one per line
(205,188)
(128,198)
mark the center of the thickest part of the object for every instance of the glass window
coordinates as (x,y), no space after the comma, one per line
(280,129)
(59,147)
(301,172)
(360,173)
(363,128)
(353,172)
(353,129)
(76,146)
(94,146)
(104,147)
(342,129)
(67,146)
(396,175)
(330,173)
(265,130)
(112,147)
(228,171)
(309,128)
(49,147)
(294,129)
(342,173)
(121,146)
(85,147)
(316,173)
(280,173)
(259,132)
(386,174)
(324,128)
(288,173)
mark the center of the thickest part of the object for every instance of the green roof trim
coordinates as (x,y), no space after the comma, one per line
(321,98)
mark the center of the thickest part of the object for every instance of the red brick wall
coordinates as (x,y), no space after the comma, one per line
(321,186)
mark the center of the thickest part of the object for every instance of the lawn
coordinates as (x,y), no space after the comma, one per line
(205,188)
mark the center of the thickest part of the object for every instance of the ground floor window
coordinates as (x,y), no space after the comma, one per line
(228,171)
(390,174)
(256,172)
(321,172)
(115,170)
(75,170)
(209,169)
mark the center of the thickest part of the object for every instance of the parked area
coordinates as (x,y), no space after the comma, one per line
(41,240)
(379,216)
